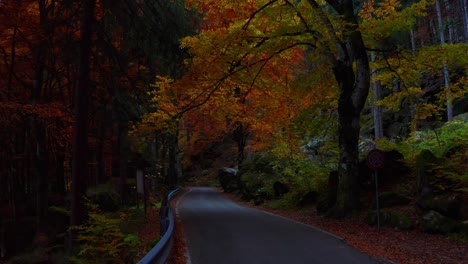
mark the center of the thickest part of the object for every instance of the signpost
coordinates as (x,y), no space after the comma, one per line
(376,161)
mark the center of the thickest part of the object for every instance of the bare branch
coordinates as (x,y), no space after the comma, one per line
(246,25)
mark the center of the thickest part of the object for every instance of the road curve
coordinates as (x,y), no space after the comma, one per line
(219,231)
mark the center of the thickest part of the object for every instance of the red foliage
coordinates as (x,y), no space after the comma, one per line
(149,232)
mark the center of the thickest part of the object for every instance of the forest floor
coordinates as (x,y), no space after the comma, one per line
(389,245)
(151,231)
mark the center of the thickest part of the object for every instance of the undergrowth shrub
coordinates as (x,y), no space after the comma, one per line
(102,240)
(449,144)
(301,174)
(105,197)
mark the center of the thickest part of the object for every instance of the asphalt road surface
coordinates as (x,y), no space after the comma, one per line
(219,231)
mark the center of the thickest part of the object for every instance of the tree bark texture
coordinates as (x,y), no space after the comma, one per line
(377,110)
(352,73)
(123,160)
(172,177)
(445,71)
(80,126)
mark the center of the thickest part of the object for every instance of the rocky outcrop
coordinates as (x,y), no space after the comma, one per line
(228,179)
(435,223)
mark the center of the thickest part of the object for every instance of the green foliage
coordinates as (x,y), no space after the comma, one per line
(59,210)
(258,176)
(152,243)
(449,144)
(440,141)
(301,174)
(105,197)
(102,239)
(132,219)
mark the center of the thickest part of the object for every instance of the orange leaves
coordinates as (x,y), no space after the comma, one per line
(244,74)
(384,9)
(222,14)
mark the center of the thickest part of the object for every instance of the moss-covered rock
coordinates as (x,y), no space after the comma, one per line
(435,223)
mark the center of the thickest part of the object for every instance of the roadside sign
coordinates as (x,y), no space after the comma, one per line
(375,159)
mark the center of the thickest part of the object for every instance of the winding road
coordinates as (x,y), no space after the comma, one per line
(219,231)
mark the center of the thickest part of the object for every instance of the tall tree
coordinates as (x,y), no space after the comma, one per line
(80,127)
(445,71)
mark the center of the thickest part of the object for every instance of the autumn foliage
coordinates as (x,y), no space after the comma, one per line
(169,79)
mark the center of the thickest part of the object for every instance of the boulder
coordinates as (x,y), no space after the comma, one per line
(228,179)
(447,205)
(435,223)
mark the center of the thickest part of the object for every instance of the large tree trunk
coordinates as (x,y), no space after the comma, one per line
(348,135)
(80,126)
(42,153)
(351,70)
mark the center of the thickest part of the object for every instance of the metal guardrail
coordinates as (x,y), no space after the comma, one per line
(160,253)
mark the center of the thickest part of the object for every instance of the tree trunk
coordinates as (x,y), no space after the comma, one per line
(413,41)
(42,186)
(451,29)
(377,110)
(352,73)
(348,138)
(42,154)
(123,160)
(465,19)
(240,135)
(444,66)
(80,126)
(172,171)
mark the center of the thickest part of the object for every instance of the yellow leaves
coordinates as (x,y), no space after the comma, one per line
(382,20)
(424,111)
(393,101)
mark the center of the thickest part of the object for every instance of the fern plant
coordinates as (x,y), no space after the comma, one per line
(102,240)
